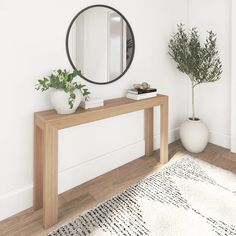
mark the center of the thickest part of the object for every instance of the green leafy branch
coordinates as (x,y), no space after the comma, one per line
(63,79)
(200,63)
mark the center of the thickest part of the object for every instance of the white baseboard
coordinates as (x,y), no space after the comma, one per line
(21,199)
(77,175)
(173,136)
(220,139)
(16,201)
(233,145)
(84,172)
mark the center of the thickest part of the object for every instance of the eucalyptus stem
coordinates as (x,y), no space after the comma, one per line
(63,79)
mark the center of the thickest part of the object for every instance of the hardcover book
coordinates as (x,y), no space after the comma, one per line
(141,96)
(141,91)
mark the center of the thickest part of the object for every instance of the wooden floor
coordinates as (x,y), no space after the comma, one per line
(75,201)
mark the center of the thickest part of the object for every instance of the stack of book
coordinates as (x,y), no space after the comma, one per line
(138,94)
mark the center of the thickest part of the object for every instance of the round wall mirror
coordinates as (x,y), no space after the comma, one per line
(100,43)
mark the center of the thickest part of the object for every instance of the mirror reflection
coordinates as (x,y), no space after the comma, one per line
(100,44)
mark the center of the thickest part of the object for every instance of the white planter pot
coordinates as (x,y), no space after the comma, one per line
(59,100)
(194,135)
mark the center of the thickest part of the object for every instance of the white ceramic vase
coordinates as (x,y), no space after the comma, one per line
(194,135)
(60,98)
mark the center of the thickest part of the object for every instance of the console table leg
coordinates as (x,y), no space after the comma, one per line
(164,133)
(149,131)
(50,174)
(38,167)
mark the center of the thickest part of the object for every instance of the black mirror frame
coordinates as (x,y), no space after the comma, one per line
(67,43)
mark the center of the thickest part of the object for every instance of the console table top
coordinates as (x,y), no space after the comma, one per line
(112,107)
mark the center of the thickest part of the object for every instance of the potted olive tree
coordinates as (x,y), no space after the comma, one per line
(65,94)
(201,63)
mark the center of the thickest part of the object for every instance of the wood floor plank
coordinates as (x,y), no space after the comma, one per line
(75,201)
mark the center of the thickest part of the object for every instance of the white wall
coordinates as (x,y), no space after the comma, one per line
(32,44)
(233,79)
(213,100)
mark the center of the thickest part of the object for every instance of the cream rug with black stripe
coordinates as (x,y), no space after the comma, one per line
(186,197)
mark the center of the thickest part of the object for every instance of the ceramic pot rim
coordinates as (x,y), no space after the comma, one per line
(195,120)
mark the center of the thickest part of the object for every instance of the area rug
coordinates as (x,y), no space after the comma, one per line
(186,197)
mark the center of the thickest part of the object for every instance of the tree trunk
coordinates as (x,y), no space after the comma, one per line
(193,102)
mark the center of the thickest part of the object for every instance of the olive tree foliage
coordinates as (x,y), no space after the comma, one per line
(201,63)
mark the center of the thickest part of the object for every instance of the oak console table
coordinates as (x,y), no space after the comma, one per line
(47,124)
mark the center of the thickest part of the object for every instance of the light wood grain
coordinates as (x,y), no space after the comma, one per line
(164,133)
(50,176)
(75,201)
(38,167)
(148,131)
(50,123)
(113,107)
